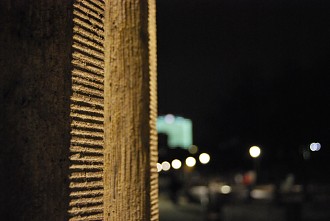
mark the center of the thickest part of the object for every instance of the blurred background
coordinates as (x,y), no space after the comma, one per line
(244,105)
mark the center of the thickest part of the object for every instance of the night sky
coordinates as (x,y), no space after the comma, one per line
(247,72)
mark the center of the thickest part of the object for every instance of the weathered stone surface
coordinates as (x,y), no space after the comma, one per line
(154,210)
(87,112)
(78,133)
(131,181)
(35,59)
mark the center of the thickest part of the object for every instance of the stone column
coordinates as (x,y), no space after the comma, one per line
(79,106)
(131,182)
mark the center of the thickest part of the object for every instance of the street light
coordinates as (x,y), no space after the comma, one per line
(166,166)
(176,164)
(204,158)
(255,151)
(315,147)
(159,167)
(190,161)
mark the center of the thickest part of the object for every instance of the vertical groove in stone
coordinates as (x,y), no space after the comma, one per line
(154,210)
(87,112)
(127,112)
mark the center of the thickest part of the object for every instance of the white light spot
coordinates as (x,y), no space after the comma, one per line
(176,164)
(190,161)
(159,167)
(254,151)
(225,189)
(166,166)
(315,146)
(169,118)
(204,158)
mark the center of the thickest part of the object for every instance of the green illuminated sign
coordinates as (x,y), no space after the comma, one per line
(178,130)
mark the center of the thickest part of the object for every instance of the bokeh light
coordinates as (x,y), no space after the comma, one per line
(315,146)
(176,164)
(190,161)
(204,158)
(193,149)
(255,151)
(225,189)
(166,166)
(159,167)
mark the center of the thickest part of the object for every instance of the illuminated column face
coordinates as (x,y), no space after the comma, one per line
(128,63)
(190,161)
(255,151)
